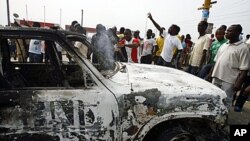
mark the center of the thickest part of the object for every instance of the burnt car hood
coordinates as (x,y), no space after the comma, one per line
(164,93)
(141,77)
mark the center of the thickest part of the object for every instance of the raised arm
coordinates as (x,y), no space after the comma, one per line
(155,24)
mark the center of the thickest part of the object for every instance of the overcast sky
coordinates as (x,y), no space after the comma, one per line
(131,13)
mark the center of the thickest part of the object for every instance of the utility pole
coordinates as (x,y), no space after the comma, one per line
(27,12)
(8,12)
(82,18)
(44,16)
(205,9)
(60,17)
(205,14)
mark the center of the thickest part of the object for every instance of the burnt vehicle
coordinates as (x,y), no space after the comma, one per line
(62,100)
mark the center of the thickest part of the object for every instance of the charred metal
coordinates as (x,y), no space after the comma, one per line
(109,101)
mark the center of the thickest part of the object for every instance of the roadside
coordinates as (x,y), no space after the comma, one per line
(239,118)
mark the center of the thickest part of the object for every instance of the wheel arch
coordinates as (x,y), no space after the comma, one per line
(154,126)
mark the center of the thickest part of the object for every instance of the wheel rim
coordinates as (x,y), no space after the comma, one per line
(183,137)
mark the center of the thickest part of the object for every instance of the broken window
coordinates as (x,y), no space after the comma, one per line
(51,68)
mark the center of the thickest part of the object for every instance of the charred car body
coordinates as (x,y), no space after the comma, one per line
(61,100)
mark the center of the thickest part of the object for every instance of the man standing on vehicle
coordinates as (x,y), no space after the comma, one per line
(232,63)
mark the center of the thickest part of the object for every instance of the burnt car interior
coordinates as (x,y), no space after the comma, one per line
(51,72)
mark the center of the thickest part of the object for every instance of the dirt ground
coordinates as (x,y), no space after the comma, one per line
(239,118)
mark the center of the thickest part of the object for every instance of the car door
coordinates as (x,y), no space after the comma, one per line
(53,99)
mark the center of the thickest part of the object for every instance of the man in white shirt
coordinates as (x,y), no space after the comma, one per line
(129,44)
(147,50)
(232,64)
(171,42)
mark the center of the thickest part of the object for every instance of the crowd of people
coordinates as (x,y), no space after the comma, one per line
(223,61)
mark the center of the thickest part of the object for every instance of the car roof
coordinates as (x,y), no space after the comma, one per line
(22,30)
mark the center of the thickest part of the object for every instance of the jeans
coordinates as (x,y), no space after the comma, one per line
(243,96)
(155,59)
(205,71)
(146,59)
(193,70)
(162,62)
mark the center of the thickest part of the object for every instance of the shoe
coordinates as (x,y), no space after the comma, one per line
(237,109)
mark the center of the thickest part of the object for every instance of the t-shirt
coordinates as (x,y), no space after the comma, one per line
(214,48)
(35,46)
(230,59)
(129,51)
(189,44)
(170,43)
(202,43)
(148,46)
(160,42)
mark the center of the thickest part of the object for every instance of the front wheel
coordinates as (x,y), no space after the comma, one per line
(175,134)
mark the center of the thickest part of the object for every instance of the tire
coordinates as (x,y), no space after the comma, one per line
(175,134)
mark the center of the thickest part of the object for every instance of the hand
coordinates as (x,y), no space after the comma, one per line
(209,78)
(237,87)
(149,15)
(119,45)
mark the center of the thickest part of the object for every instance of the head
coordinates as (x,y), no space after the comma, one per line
(73,23)
(136,34)
(220,34)
(72,26)
(121,31)
(247,36)
(36,24)
(202,26)
(100,28)
(233,33)
(174,30)
(224,27)
(182,37)
(212,36)
(188,37)
(149,33)
(128,34)
(114,29)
